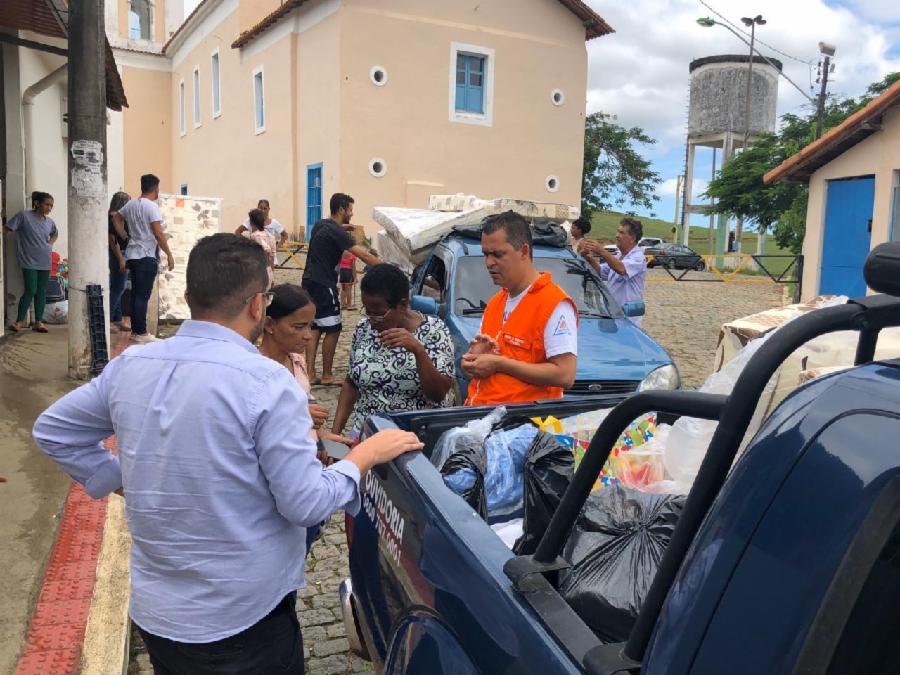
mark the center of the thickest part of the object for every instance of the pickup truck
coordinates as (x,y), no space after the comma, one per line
(786,561)
(614,355)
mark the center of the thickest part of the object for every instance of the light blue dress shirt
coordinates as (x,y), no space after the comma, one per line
(220,476)
(628,287)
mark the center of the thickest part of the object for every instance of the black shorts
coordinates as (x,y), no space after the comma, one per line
(345,275)
(328,307)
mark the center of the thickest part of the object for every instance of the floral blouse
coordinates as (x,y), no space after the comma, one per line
(387,378)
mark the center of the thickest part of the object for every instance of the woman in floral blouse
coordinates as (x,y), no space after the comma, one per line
(399,359)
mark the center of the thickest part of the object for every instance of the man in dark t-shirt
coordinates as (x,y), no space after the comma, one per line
(327,242)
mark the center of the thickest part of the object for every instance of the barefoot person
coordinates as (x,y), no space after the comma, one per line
(219,474)
(35,236)
(328,240)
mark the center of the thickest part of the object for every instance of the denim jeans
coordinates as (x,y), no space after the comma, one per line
(272,645)
(116,289)
(143,274)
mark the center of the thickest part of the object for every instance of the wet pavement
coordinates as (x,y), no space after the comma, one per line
(32,375)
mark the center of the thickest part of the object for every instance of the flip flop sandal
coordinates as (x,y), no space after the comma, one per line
(40,329)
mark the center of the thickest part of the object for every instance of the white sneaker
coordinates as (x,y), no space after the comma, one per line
(144,339)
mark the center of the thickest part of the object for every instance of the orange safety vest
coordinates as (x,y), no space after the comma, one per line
(521,338)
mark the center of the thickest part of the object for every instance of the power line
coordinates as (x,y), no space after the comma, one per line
(766,44)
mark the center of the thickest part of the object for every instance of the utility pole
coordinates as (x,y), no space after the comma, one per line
(827,51)
(677,206)
(752,23)
(87,174)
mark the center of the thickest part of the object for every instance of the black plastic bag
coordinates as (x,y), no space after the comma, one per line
(549,467)
(469,459)
(548,233)
(615,549)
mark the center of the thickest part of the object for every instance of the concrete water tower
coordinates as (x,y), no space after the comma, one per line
(718,117)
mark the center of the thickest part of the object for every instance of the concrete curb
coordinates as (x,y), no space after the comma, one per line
(106,636)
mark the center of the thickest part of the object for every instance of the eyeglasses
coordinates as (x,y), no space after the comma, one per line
(377,318)
(269,296)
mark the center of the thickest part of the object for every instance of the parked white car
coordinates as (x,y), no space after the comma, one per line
(649,242)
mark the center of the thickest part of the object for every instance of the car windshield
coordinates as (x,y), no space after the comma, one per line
(474,286)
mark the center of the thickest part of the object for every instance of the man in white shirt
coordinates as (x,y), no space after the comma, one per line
(145,237)
(528,346)
(626,272)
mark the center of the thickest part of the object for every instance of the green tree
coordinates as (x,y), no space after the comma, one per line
(615,174)
(739,190)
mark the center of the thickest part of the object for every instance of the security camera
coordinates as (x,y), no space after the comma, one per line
(827,49)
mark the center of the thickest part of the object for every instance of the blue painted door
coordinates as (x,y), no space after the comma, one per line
(313,196)
(847,236)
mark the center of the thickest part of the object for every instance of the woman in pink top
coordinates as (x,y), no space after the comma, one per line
(287,330)
(263,237)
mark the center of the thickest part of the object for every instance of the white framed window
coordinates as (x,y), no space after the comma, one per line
(181,126)
(259,100)
(196,81)
(140,20)
(471,91)
(215,79)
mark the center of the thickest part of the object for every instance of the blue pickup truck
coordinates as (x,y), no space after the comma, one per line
(786,561)
(614,355)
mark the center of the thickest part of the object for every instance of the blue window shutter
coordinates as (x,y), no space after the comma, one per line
(470,83)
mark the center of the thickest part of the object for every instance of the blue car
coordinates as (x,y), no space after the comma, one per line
(614,355)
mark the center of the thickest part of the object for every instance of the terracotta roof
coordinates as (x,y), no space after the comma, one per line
(594,24)
(38,17)
(859,125)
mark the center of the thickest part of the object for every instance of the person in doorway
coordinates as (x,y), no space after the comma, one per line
(272,226)
(625,272)
(118,271)
(399,358)
(145,238)
(218,470)
(35,235)
(328,240)
(731,242)
(579,229)
(528,344)
(347,278)
(261,236)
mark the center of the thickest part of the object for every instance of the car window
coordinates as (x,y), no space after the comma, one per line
(870,642)
(473,286)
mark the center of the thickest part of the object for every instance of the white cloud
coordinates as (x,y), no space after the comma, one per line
(640,73)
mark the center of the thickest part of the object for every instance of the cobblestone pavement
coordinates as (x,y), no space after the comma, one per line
(684,317)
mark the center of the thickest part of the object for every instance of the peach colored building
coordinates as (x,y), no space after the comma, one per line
(388,100)
(853,173)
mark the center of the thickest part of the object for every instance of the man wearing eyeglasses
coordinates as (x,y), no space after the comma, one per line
(218,470)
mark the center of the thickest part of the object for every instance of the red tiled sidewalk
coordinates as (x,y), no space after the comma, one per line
(55,635)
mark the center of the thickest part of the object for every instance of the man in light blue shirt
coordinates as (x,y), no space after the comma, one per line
(626,272)
(220,475)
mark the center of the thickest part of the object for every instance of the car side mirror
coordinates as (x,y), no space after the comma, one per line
(425,305)
(634,308)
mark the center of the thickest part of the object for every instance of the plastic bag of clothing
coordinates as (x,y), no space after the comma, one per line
(503,482)
(463,473)
(56,312)
(615,549)
(472,435)
(549,467)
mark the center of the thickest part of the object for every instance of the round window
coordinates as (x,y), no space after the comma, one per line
(552,183)
(557,97)
(378,76)
(377,167)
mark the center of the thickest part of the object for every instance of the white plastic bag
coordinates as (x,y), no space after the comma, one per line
(56,312)
(472,434)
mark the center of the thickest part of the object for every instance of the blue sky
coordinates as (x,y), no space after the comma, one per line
(640,73)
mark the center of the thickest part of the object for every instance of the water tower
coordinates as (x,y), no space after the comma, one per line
(718,118)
